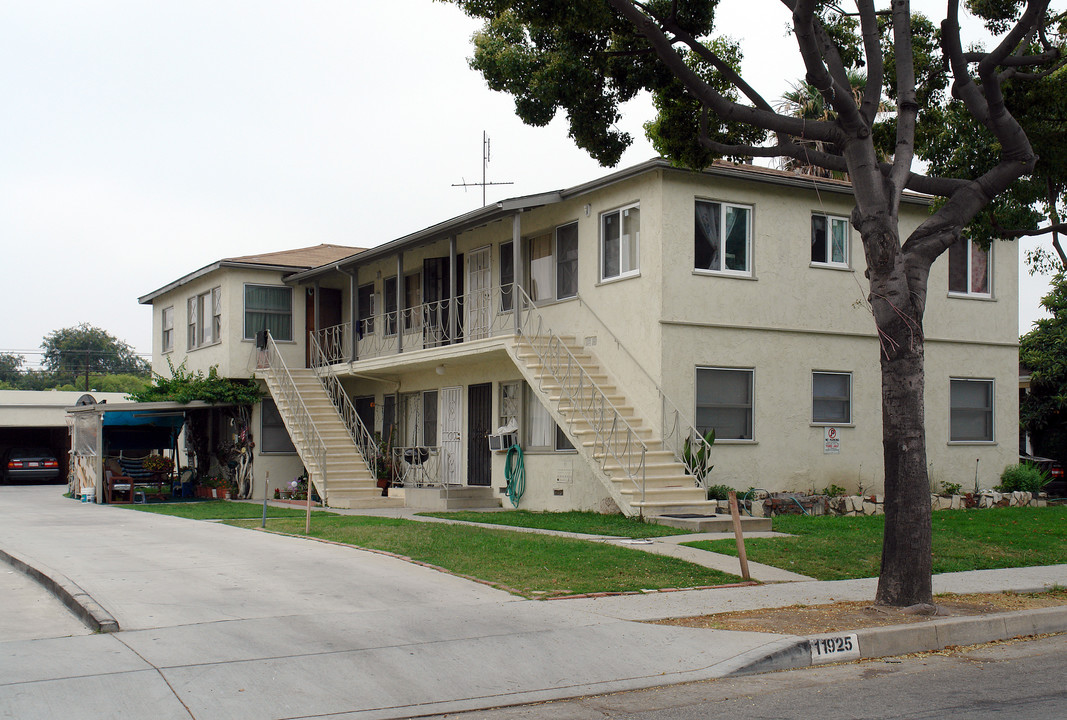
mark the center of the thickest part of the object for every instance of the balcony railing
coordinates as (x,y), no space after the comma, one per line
(473,316)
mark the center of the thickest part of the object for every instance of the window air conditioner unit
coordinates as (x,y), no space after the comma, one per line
(502,442)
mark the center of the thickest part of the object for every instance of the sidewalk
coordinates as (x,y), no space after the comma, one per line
(219,622)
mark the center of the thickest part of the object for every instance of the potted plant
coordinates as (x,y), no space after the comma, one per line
(159,465)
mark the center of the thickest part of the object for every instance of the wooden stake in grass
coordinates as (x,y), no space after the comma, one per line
(737,534)
(307,518)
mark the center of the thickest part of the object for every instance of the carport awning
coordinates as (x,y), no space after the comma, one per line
(132,418)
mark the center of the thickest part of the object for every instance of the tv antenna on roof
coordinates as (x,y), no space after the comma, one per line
(485,161)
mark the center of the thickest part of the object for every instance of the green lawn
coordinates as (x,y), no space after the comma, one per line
(838,548)
(221,510)
(527,564)
(587,523)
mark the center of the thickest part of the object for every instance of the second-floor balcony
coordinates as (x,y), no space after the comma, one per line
(476,315)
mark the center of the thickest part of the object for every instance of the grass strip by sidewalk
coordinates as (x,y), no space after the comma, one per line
(221,510)
(586,523)
(840,548)
(528,564)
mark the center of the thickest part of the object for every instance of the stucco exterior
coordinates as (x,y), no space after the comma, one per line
(649,328)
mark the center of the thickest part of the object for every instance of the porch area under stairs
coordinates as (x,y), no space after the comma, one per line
(638,470)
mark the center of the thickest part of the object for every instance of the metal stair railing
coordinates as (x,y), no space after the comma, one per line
(363,439)
(613,436)
(678,433)
(299,420)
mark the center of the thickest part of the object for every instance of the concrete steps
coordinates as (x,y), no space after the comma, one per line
(451,498)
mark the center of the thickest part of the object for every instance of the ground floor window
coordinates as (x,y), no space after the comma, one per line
(724,402)
(541,431)
(972,410)
(274,438)
(831,398)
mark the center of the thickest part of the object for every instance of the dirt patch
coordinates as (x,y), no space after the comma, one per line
(842,616)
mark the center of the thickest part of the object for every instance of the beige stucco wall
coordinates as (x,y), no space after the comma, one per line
(232,354)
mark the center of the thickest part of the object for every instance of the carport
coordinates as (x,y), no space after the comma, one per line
(38,418)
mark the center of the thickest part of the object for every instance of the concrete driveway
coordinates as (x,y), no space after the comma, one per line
(219,622)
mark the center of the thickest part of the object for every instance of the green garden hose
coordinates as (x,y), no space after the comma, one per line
(515,473)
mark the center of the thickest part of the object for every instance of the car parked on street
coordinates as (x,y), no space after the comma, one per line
(30,465)
(1057,486)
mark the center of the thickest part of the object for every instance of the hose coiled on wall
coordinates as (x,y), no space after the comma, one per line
(515,474)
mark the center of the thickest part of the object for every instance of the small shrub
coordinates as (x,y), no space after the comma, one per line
(833,491)
(950,488)
(719,492)
(1026,477)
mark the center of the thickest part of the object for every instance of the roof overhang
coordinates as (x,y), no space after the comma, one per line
(218,265)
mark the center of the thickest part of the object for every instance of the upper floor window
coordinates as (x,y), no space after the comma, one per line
(269,307)
(412,301)
(389,291)
(552,264)
(724,402)
(829,240)
(205,319)
(620,238)
(722,239)
(971,403)
(168,328)
(969,271)
(507,277)
(831,398)
(365,298)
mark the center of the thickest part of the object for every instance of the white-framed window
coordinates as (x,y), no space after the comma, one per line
(724,402)
(567,261)
(412,301)
(507,277)
(274,438)
(418,419)
(540,432)
(167,321)
(269,307)
(551,265)
(969,269)
(620,242)
(722,238)
(366,309)
(540,268)
(205,319)
(971,403)
(510,403)
(831,398)
(829,240)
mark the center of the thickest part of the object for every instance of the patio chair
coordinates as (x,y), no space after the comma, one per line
(115,482)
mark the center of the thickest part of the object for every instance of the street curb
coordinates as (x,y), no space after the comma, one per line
(79,602)
(928,636)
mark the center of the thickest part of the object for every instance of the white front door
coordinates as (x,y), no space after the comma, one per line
(479,294)
(452,435)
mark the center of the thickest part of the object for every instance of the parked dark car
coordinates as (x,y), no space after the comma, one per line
(1057,487)
(30,464)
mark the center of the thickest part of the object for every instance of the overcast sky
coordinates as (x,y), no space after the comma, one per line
(141,140)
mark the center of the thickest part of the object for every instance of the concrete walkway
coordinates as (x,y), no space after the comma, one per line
(220,622)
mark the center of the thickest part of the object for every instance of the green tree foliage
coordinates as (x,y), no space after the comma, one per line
(11,368)
(86,350)
(184,386)
(1043,351)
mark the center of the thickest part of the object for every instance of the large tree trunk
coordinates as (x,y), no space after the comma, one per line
(898,299)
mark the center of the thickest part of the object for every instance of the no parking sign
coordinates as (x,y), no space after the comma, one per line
(831,444)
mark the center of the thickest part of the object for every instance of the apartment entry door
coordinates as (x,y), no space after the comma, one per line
(452,435)
(479,425)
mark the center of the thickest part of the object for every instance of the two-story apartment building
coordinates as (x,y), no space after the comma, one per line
(611,325)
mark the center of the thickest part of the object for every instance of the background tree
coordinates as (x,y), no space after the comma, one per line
(1043,351)
(85,350)
(586,56)
(11,369)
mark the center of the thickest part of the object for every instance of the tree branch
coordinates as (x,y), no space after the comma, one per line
(907,104)
(872,51)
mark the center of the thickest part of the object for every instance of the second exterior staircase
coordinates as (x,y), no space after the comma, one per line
(641,473)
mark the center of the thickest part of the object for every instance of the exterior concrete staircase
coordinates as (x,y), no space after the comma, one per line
(348,482)
(642,476)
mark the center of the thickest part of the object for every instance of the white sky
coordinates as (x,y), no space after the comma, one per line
(142,140)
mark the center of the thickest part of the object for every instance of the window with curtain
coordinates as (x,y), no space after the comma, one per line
(541,431)
(620,236)
(366,310)
(829,240)
(540,268)
(205,318)
(269,307)
(971,403)
(724,403)
(389,290)
(831,398)
(722,238)
(273,435)
(969,270)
